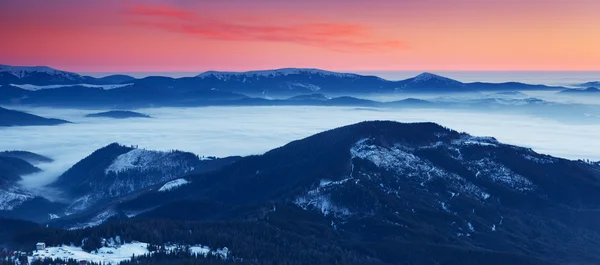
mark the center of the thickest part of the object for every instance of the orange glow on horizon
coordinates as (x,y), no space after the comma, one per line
(349,35)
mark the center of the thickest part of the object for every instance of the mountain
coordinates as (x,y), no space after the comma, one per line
(30,157)
(37,75)
(118,114)
(291,82)
(12,168)
(395,189)
(428,82)
(43,75)
(19,118)
(117,170)
(587,91)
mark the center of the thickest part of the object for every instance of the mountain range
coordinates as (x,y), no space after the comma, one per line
(379,191)
(49,87)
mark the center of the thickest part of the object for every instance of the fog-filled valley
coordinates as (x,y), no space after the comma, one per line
(230,131)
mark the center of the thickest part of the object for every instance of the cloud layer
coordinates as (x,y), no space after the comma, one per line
(225,131)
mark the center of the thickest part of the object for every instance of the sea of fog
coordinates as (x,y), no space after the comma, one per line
(226,131)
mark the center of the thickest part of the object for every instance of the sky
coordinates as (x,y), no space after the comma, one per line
(349,35)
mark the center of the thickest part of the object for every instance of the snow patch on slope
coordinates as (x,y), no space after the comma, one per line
(140,159)
(311,87)
(399,160)
(315,199)
(500,174)
(173,184)
(96,220)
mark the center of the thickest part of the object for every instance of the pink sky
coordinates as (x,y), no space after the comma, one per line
(351,35)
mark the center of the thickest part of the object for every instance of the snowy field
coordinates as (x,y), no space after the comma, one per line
(226,131)
(107,255)
(114,255)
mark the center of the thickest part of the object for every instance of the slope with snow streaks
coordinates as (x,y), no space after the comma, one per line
(96,220)
(173,184)
(405,164)
(13,197)
(500,174)
(140,159)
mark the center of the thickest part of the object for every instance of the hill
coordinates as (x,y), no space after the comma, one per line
(118,114)
(18,118)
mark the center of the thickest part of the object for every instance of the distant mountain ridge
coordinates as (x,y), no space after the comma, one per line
(214,87)
(590,84)
(43,75)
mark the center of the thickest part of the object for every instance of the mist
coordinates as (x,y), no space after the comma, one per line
(226,131)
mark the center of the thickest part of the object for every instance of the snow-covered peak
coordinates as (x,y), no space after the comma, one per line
(134,159)
(275,72)
(23,71)
(173,184)
(146,160)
